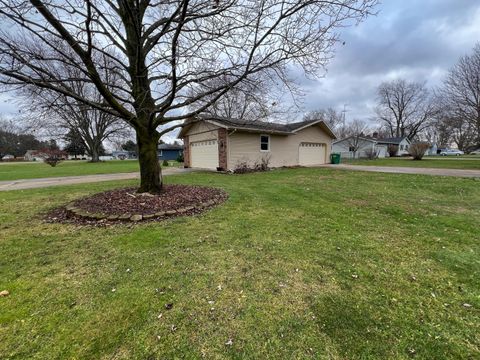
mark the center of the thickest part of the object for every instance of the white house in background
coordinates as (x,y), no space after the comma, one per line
(355,147)
(402,142)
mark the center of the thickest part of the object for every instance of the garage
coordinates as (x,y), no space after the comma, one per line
(311,154)
(204,154)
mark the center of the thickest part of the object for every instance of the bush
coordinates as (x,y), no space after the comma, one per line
(52,157)
(243,167)
(180,158)
(392,150)
(418,150)
(371,154)
(165,163)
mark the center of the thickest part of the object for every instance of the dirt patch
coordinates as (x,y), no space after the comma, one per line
(125,204)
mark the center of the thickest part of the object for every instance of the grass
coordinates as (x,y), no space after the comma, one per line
(472,163)
(302,263)
(16,171)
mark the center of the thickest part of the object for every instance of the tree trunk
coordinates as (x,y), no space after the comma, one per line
(95,155)
(150,171)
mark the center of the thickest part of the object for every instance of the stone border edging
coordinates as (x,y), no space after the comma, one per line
(77,211)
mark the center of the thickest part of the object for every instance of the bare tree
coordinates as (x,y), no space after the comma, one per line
(164,51)
(332,117)
(460,99)
(255,99)
(405,108)
(354,132)
(59,114)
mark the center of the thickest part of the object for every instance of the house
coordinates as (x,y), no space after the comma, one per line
(225,144)
(169,151)
(31,155)
(356,147)
(8,157)
(401,142)
(432,150)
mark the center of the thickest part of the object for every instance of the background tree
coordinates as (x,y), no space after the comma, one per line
(459,97)
(61,115)
(256,99)
(75,145)
(130,145)
(163,52)
(14,142)
(333,118)
(404,108)
(354,132)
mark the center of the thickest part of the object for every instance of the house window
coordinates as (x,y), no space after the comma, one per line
(264,143)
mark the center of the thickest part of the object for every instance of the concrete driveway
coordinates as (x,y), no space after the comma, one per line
(409,170)
(71,180)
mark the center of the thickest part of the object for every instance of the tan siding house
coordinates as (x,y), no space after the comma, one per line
(223,144)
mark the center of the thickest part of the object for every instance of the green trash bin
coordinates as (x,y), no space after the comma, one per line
(335,158)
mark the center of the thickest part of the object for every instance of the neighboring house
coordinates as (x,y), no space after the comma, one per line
(358,147)
(224,144)
(402,142)
(8,157)
(123,155)
(31,155)
(169,151)
(432,150)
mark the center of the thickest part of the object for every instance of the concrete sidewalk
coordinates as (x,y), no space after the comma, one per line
(409,170)
(72,180)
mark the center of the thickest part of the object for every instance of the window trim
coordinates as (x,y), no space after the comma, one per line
(268,143)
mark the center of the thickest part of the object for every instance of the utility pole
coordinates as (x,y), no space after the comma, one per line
(344,112)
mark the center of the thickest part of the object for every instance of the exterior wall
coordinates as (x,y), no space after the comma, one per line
(245,147)
(403,147)
(222,149)
(202,131)
(382,151)
(168,154)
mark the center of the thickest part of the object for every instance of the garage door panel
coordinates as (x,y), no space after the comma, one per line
(311,154)
(204,154)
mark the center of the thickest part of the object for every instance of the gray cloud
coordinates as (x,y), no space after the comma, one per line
(416,40)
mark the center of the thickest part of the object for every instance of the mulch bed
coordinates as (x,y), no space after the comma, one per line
(125,205)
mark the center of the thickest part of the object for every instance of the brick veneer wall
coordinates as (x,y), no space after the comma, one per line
(222,149)
(186,152)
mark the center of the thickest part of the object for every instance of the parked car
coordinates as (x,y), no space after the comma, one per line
(475,152)
(449,152)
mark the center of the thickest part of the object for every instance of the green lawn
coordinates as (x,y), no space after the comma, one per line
(302,263)
(472,163)
(15,171)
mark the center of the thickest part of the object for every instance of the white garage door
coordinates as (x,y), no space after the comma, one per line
(204,154)
(311,154)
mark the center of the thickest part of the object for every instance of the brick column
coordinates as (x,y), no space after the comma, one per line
(186,152)
(222,149)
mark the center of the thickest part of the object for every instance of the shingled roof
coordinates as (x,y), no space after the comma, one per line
(260,126)
(392,140)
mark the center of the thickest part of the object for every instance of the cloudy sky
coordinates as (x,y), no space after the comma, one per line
(412,39)
(418,40)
